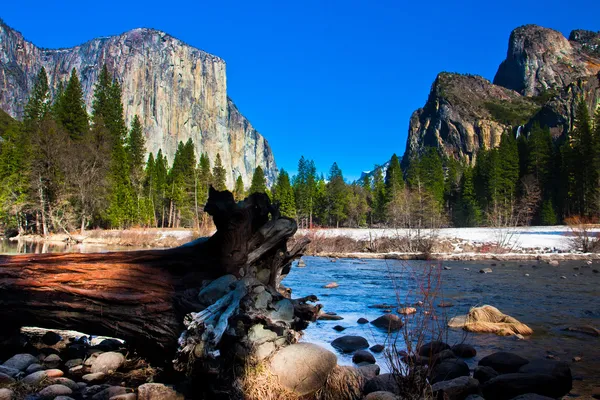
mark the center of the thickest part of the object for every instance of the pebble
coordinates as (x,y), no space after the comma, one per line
(563,277)
(5,379)
(6,394)
(53,391)
(94,377)
(577,359)
(106,362)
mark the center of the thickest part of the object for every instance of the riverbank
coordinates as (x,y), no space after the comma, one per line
(505,244)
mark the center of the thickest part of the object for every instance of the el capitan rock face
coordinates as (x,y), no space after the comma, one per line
(178,91)
(541,80)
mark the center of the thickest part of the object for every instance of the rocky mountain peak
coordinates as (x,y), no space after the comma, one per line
(178,91)
(540,59)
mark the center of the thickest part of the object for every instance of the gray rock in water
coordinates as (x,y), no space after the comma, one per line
(464,350)
(486,271)
(349,343)
(368,370)
(53,391)
(339,328)
(157,391)
(508,386)
(20,361)
(449,369)
(362,321)
(388,322)
(106,362)
(382,383)
(311,366)
(363,356)
(484,374)
(503,362)
(216,289)
(457,388)
(377,348)
(431,348)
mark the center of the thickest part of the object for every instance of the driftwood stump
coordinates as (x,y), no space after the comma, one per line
(202,304)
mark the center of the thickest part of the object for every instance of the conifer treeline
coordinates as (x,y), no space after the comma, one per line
(531,179)
(62,168)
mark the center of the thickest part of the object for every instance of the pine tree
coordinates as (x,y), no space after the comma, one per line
(547,214)
(394,182)
(204,178)
(583,162)
(283,194)
(337,194)
(259,183)
(219,174)
(539,160)
(160,188)
(368,191)
(239,192)
(71,113)
(136,147)
(305,185)
(469,213)
(379,196)
(38,104)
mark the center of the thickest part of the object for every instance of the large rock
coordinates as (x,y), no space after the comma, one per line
(109,393)
(6,379)
(369,370)
(388,322)
(381,395)
(363,356)
(349,343)
(20,361)
(484,374)
(107,362)
(157,391)
(560,370)
(179,92)
(37,377)
(507,386)
(382,383)
(431,348)
(6,394)
(303,367)
(456,389)
(503,362)
(9,371)
(449,369)
(464,350)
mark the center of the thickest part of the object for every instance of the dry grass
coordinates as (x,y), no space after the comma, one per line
(342,244)
(258,383)
(583,238)
(343,383)
(488,319)
(145,237)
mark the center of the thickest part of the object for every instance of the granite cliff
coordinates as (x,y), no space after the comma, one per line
(178,91)
(542,78)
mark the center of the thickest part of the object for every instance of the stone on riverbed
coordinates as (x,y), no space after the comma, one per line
(6,394)
(484,374)
(363,356)
(5,379)
(362,321)
(431,348)
(349,343)
(407,310)
(382,383)
(53,391)
(331,285)
(503,362)
(464,350)
(388,322)
(456,389)
(449,369)
(311,366)
(381,395)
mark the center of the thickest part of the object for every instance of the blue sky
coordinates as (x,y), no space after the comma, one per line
(331,80)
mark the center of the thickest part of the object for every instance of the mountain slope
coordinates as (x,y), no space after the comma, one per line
(540,81)
(178,91)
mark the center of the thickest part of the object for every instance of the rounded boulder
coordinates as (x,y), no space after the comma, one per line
(311,365)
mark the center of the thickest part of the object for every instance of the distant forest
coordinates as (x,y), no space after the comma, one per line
(62,170)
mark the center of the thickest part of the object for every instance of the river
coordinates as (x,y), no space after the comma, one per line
(532,292)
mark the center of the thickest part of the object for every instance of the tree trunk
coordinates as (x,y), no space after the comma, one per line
(143,296)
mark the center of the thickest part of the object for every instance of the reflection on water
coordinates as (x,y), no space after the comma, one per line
(542,300)
(22,247)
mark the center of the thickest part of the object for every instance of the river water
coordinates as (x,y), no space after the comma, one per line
(543,300)
(533,292)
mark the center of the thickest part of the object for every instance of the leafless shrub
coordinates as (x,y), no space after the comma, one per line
(583,239)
